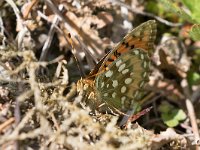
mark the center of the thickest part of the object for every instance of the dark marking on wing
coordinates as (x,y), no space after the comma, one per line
(132,46)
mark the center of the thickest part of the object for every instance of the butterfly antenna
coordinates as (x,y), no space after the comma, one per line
(87,52)
(70,40)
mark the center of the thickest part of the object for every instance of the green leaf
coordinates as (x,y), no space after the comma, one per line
(193,78)
(165,107)
(169,121)
(173,7)
(179,115)
(195,32)
(171,115)
(196,16)
(193,6)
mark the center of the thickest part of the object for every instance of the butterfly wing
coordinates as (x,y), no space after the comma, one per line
(125,70)
(141,37)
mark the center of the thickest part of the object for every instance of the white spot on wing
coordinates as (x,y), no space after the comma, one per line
(123,98)
(145,64)
(125,71)
(136,94)
(144,74)
(115,83)
(114,95)
(123,89)
(149,64)
(105,94)
(108,73)
(142,84)
(118,63)
(136,52)
(121,67)
(142,56)
(102,84)
(128,80)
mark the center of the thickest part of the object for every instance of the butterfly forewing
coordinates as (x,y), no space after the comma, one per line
(141,37)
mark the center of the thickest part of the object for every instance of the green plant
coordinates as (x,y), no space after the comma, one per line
(189,12)
(171,115)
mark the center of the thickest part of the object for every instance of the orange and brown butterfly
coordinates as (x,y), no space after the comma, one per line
(117,82)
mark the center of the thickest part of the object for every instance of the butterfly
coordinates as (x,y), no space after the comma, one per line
(117,81)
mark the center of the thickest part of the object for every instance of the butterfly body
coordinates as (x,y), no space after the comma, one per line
(119,78)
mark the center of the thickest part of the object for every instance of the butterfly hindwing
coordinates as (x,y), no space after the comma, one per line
(120,86)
